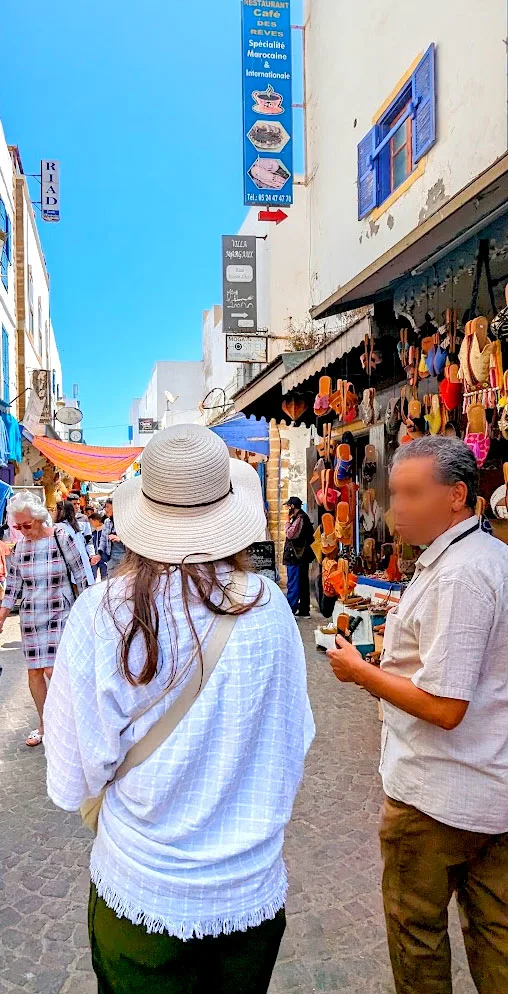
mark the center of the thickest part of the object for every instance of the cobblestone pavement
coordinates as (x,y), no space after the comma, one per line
(335,941)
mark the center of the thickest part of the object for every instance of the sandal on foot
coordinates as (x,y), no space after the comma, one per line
(34,739)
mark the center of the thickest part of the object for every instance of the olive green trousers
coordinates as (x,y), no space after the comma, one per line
(129,960)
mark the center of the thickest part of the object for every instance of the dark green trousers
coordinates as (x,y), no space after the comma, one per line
(129,960)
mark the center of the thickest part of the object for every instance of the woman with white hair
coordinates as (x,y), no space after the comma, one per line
(42,569)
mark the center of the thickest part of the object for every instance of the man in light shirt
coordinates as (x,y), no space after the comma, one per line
(444,755)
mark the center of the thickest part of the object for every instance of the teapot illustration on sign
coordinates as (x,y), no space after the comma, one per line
(267,101)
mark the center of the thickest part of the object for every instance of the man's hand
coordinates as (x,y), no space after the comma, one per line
(347,662)
(114,538)
(94,560)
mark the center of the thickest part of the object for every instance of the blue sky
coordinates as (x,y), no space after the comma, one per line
(141,103)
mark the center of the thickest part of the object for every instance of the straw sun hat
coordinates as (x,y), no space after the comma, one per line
(191,502)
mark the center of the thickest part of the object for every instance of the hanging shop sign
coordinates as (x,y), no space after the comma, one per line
(267,102)
(33,412)
(41,383)
(50,190)
(239,283)
(146,426)
(246,348)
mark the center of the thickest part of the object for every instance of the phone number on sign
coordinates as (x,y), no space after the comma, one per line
(269,198)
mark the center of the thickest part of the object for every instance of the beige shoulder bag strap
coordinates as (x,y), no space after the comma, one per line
(166,724)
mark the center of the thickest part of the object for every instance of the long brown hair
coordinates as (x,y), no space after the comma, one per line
(200,583)
(65,512)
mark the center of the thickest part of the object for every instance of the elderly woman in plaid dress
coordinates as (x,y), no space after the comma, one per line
(40,571)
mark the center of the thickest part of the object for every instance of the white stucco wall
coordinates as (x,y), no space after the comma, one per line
(217,372)
(7,297)
(185,380)
(283,269)
(356,54)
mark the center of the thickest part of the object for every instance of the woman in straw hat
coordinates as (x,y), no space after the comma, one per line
(188,881)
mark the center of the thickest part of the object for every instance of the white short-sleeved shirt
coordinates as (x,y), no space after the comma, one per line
(191,841)
(449,635)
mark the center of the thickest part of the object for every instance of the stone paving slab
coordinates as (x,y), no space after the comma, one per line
(335,941)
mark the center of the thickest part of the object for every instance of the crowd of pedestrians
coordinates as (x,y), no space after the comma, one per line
(177,717)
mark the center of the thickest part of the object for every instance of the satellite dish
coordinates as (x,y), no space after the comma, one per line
(69,415)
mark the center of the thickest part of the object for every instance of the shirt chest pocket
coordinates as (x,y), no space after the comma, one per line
(401,653)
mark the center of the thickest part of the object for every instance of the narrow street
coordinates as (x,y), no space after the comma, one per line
(335,939)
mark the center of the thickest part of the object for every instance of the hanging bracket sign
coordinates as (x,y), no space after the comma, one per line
(246,348)
(267,102)
(50,190)
(239,284)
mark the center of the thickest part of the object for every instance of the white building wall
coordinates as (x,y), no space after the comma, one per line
(185,381)
(7,296)
(356,55)
(283,270)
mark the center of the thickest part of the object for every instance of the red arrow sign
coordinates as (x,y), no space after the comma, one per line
(276,216)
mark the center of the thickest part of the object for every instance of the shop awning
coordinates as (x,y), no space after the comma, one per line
(87,462)
(477,204)
(352,338)
(244,433)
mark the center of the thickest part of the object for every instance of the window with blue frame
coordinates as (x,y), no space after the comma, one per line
(392,149)
(6,244)
(6,393)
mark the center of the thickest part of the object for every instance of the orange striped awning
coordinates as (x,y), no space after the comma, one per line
(87,462)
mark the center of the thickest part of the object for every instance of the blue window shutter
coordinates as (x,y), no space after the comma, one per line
(8,244)
(367,174)
(424,100)
(5,366)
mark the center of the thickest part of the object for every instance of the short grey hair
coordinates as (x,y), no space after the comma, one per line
(453,460)
(25,502)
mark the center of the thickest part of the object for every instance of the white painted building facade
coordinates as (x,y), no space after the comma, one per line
(359,60)
(7,279)
(172,396)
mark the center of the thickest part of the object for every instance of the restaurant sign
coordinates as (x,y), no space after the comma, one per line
(267,102)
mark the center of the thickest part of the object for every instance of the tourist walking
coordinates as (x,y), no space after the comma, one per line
(66,517)
(444,762)
(39,572)
(111,547)
(188,879)
(99,567)
(298,556)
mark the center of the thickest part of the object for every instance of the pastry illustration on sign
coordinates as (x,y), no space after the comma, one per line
(268,136)
(267,101)
(269,174)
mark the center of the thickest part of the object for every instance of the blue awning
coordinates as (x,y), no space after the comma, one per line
(245,433)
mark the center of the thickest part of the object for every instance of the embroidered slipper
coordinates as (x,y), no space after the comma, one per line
(434,419)
(328,568)
(343,627)
(423,371)
(322,401)
(369,463)
(316,545)
(330,494)
(450,388)
(392,416)
(328,539)
(477,437)
(349,403)
(343,525)
(369,554)
(414,409)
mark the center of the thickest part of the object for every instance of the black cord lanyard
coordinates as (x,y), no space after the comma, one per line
(475,528)
(455,541)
